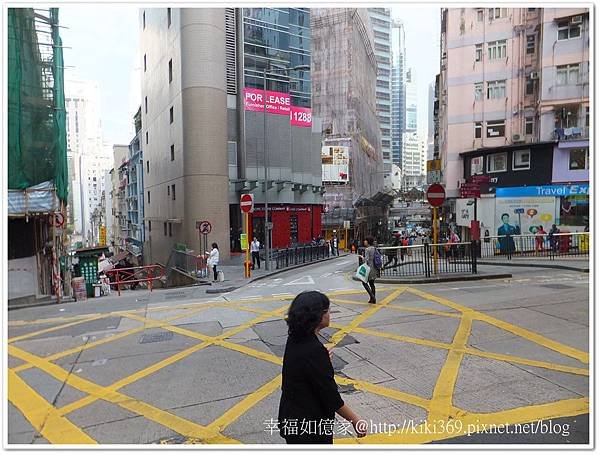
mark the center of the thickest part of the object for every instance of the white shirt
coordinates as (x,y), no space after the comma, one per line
(255,246)
(213,258)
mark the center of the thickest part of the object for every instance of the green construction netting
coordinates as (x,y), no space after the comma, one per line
(37,143)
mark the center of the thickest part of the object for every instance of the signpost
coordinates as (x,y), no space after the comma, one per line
(204,228)
(436,196)
(247,206)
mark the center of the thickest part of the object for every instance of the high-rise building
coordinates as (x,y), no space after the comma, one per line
(207,137)
(518,114)
(411,101)
(344,96)
(382,32)
(414,160)
(430,120)
(398,89)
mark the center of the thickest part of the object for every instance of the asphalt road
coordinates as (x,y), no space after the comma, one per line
(443,363)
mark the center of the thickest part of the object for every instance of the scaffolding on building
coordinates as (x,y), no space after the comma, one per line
(37,144)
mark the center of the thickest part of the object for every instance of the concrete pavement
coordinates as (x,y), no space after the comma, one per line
(192,369)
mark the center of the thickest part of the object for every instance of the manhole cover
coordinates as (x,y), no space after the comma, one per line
(156,337)
(556,286)
(175,295)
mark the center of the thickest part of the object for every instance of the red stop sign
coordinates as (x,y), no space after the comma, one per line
(436,195)
(247,203)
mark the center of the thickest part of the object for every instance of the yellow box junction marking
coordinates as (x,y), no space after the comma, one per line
(440,405)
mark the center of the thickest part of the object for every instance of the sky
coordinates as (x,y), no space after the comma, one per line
(104,42)
(104,47)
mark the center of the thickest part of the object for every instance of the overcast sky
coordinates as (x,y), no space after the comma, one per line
(104,46)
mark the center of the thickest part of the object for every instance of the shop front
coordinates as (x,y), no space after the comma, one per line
(293,224)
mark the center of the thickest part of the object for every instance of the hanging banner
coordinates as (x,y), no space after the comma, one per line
(278,103)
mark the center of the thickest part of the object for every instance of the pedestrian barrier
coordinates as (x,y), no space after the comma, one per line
(551,246)
(288,257)
(135,275)
(428,260)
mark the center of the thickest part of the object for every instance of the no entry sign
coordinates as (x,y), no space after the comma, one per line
(436,195)
(247,203)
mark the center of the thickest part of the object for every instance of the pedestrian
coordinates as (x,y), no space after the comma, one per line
(539,239)
(213,259)
(336,249)
(552,237)
(392,253)
(255,250)
(309,393)
(369,258)
(403,250)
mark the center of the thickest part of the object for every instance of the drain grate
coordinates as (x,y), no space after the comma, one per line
(175,295)
(556,286)
(156,337)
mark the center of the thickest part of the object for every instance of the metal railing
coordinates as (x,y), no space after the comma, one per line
(288,257)
(567,244)
(428,259)
(135,275)
(188,262)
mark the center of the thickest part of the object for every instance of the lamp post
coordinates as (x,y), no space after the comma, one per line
(266,154)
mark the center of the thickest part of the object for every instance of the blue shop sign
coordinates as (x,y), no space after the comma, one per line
(544,190)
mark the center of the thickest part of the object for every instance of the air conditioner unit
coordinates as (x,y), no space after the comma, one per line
(533,75)
(518,138)
(576,19)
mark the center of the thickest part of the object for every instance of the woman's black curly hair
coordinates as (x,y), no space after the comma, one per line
(306,312)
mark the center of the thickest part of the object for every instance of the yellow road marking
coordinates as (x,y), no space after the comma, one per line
(441,402)
(385,391)
(178,424)
(42,415)
(392,336)
(403,308)
(53,329)
(524,333)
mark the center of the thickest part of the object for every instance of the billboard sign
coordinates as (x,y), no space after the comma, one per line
(335,161)
(278,103)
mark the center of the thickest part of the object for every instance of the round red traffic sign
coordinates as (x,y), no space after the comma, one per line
(436,195)
(246,203)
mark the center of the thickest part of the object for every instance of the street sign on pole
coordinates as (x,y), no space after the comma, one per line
(204,227)
(247,203)
(436,195)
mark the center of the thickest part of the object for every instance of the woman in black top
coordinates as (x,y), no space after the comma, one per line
(310,397)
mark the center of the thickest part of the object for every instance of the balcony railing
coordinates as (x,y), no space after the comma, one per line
(574,133)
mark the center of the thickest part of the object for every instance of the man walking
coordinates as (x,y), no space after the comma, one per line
(255,250)
(335,244)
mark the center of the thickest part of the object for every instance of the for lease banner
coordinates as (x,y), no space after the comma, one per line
(277,103)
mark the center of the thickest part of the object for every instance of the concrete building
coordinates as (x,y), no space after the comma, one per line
(134,242)
(528,85)
(93,168)
(344,75)
(411,95)
(382,31)
(206,136)
(118,197)
(430,120)
(398,89)
(414,160)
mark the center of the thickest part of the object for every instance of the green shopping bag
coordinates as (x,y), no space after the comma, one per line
(362,273)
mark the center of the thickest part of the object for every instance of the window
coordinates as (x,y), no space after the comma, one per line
(496,162)
(496,49)
(496,89)
(147,167)
(587,116)
(530,47)
(144,63)
(144,20)
(165,228)
(168,17)
(496,13)
(148,197)
(521,160)
(567,74)
(480,15)
(478,128)
(566,30)
(528,125)
(171,115)
(172,152)
(170,71)
(478,52)
(566,116)
(146,104)
(529,86)
(170,229)
(149,226)
(146,137)
(478,91)
(495,128)
(173,191)
(168,190)
(578,159)
(477,165)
